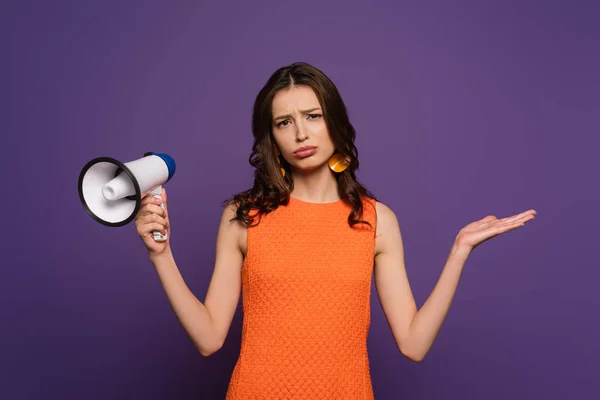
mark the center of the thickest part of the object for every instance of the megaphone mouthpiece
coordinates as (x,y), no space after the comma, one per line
(119,187)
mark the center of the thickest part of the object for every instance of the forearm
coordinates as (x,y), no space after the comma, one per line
(427,322)
(191,313)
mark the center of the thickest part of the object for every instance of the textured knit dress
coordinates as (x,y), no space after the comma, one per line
(306,285)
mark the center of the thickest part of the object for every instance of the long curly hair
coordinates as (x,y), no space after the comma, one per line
(270,188)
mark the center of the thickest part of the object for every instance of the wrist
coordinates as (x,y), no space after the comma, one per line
(163,255)
(460,249)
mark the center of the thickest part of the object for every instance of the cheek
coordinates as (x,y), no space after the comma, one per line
(322,133)
(319,128)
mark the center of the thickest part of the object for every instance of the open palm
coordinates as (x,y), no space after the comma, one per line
(480,231)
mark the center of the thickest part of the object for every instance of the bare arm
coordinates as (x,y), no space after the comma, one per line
(207,324)
(414,330)
(391,280)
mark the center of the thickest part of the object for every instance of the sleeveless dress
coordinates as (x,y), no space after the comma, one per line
(306,285)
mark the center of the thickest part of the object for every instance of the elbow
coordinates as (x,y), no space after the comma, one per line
(210,350)
(412,355)
(206,353)
(416,359)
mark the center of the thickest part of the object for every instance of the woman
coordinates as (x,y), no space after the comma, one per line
(303,243)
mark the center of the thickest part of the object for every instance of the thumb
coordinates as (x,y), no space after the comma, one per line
(163,197)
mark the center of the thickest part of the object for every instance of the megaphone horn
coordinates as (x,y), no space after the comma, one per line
(111,191)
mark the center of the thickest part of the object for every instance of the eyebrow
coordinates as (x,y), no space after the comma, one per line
(302,111)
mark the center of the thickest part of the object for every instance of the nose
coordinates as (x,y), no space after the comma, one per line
(300,132)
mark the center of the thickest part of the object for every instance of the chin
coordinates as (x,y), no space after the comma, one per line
(310,166)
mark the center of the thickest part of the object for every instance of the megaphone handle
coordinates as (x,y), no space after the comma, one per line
(156,192)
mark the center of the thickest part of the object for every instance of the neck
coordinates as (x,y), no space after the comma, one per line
(316,186)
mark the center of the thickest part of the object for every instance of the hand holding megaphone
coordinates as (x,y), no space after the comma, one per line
(113,192)
(153,219)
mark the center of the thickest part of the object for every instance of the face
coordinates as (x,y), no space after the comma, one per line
(298,122)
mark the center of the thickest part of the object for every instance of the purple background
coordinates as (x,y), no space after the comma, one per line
(462,109)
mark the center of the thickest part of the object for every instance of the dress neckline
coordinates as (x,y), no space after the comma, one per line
(329,203)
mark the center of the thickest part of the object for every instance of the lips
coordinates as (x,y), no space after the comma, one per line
(305,151)
(301,149)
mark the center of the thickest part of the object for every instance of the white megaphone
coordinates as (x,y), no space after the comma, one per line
(111,191)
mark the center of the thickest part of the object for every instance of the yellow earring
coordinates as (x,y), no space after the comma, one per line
(277,154)
(337,163)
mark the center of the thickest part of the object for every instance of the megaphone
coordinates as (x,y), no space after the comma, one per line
(111,191)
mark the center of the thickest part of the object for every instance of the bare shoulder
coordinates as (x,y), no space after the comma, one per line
(386,218)
(388,228)
(233,231)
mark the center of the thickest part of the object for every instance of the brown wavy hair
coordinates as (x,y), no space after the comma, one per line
(270,188)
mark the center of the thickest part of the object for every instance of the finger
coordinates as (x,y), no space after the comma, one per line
(524,217)
(151,218)
(517,222)
(163,200)
(149,199)
(155,226)
(507,226)
(152,209)
(524,214)
(510,221)
(512,218)
(507,220)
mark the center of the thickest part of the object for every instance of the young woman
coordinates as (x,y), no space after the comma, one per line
(303,243)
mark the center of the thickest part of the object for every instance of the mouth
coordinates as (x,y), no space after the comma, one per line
(306,151)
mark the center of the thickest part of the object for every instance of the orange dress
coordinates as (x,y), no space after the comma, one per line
(306,285)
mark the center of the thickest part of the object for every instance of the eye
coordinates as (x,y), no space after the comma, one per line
(314,115)
(279,125)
